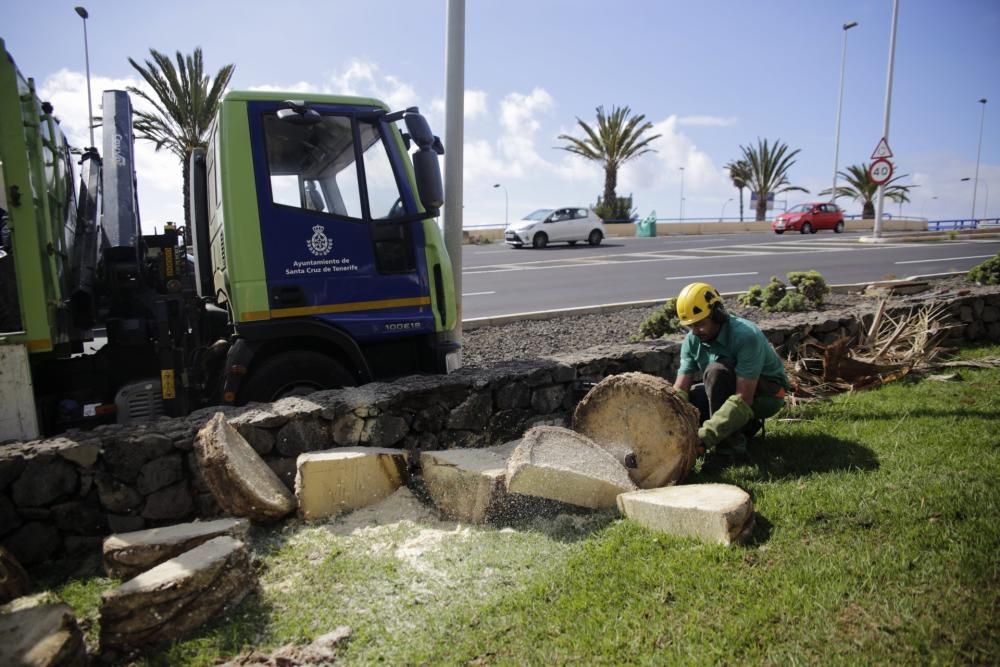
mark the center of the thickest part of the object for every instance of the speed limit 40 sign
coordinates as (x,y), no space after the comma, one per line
(880,171)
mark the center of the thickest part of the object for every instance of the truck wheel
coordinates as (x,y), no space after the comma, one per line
(294,373)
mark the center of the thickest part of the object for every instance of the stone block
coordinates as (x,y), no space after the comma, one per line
(305,434)
(556,463)
(126,555)
(177,596)
(159,473)
(34,542)
(340,480)
(239,479)
(40,631)
(468,484)
(472,413)
(719,513)
(169,504)
(43,482)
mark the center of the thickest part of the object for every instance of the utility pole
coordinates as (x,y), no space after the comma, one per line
(877,231)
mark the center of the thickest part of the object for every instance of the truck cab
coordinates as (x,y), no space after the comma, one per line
(321,245)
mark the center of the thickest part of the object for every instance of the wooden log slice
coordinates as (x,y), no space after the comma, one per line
(641,414)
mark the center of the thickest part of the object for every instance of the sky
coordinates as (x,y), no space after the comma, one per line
(710,75)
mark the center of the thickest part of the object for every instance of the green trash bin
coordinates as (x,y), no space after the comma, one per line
(647,226)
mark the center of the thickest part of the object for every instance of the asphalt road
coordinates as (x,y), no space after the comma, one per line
(499,280)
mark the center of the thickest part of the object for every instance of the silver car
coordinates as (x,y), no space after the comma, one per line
(560,225)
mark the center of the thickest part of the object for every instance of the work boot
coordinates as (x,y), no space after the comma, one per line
(730,452)
(752,428)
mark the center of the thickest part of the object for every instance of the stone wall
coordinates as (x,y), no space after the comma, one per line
(61,496)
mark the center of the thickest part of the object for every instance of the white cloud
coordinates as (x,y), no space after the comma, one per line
(364,78)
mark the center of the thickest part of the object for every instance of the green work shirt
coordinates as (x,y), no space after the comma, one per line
(741,341)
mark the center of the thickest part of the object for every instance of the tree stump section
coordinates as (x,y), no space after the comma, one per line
(14,581)
(126,555)
(643,415)
(468,484)
(241,482)
(40,631)
(559,464)
(177,596)
(720,513)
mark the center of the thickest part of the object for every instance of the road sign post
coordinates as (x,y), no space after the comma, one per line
(880,171)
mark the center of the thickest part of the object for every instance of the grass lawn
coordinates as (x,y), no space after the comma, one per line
(877,542)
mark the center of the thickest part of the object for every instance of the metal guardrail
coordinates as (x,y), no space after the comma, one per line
(962,223)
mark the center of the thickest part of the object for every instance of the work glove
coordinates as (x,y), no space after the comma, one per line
(683,394)
(728,419)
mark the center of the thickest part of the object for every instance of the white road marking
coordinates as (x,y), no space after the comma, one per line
(476,293)
(681,254)
(942,259)
(712,275)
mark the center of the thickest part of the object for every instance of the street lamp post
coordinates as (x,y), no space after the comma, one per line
(722,216)
(986,201)
(82,13)
(682,195)
(506,208)
(840,105)
(975,183)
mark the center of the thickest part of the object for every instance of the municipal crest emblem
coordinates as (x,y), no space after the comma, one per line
(319,244)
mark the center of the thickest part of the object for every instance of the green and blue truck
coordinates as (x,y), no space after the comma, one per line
(312,260)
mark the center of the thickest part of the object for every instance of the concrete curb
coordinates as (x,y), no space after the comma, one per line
(606,308)
(918,237)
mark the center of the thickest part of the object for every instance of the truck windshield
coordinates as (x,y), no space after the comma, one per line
(313,167)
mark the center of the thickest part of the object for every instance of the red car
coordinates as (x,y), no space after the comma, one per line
(809,219)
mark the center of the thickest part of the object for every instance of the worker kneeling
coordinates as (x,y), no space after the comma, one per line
(743,379)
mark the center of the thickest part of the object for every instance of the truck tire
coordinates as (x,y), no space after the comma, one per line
(294,373)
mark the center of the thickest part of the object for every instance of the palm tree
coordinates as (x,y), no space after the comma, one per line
(769,165)
(616,140)
(861,188)
(739,173)
(184,102)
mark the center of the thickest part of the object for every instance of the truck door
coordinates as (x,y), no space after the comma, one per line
(336,214)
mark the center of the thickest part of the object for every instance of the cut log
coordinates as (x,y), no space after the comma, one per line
(128,554)
(40,631)
(643,415)
(343,479)
(241,482)
(14,581)
(177,596)
(468,484)
(559,464)
(720,513)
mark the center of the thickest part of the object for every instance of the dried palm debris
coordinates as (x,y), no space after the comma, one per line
(891,348)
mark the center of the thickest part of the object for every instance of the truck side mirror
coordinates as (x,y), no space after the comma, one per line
(426,168)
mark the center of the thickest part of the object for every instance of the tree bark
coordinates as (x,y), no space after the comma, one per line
(610,182)
(868,211)
(741,204)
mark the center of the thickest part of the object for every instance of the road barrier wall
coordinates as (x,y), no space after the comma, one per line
(495,235)
(62,496)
